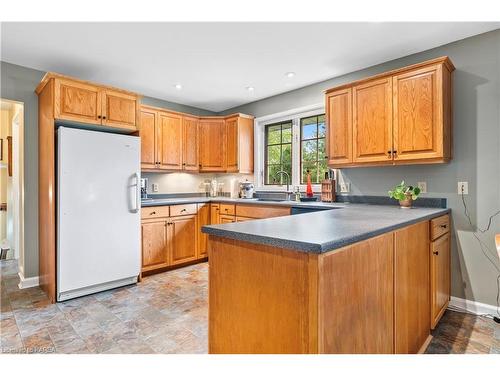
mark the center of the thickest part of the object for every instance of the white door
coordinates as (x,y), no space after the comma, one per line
(98,219)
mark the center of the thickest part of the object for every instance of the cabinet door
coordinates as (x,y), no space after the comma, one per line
(372,122)
(339,127)
(212,145)
(203,219)
(411,293)
(119,109)
(148,120)
(224,219)
(190,144)
(440,277)
(154,245)
(214,213)
(418,122)
(76,101)
(169,141)
(182,239)
(232,144)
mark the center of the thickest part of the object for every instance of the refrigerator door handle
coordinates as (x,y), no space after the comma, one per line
(137,192)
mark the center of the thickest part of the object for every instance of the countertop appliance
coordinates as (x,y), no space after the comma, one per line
(98,211)
(246,189)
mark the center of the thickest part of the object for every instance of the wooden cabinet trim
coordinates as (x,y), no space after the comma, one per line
(445,60)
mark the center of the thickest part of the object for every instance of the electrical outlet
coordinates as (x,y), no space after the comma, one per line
(463,188)
(345,187)
(155,188)
(422,185)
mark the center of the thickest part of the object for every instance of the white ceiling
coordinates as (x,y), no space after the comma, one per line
(215,62)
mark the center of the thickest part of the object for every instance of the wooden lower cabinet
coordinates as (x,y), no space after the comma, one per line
(203,219)
(440,277)
(154,244)
(372,296)
(182,239)
(214,213)
(224,219)
(411,288)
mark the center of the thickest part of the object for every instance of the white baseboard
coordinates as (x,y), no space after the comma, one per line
(473,307)
(29,282)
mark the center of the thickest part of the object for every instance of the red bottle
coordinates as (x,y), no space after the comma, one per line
(309,189)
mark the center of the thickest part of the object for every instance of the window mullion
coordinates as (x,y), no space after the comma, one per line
(296,152)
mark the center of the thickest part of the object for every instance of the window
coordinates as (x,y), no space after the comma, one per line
(312,149)
(278,152)
(294,142)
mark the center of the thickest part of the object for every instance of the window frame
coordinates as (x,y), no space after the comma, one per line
(266,147)
(317,139)
(293,115)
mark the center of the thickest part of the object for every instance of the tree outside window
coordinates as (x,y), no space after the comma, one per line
(312,149)
(278,149)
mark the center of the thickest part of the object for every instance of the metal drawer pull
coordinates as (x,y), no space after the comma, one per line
(183,210)
(435,252)
(443,226)
(153,213)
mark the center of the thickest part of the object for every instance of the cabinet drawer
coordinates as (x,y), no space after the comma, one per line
(440,226)
(261,212)
(227,209)
(183,209)
(154,212)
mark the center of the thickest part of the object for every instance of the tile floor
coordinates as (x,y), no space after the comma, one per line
(166,313)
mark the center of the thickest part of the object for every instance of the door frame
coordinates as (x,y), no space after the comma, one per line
(17,123)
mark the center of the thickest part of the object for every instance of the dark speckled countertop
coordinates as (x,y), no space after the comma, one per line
(334,226)
(326,230)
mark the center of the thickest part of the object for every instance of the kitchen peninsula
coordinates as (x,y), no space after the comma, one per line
(358,279)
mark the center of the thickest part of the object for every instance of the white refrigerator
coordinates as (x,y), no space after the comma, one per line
(98,211)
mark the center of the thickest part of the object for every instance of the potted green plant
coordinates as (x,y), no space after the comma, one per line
(404,194)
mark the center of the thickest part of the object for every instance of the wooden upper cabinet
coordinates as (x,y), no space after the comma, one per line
(418,119)
(399,117)
(75,101)
(169,141)
(372,121)
(190,143)
(339,130)
(239,144)
(89,103)
(212,133)
(148,121)
(232,144)
(119,109)
(182,239)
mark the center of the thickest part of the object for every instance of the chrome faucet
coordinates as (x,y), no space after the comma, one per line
(287,175)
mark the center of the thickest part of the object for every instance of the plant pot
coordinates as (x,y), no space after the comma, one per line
(406,203)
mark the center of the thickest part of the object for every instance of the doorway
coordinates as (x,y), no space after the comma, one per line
(12,182)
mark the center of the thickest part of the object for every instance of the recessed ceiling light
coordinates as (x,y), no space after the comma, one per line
(178,86)
(250,88)
(290,74)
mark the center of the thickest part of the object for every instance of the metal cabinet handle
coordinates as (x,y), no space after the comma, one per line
(435,252)
(99,116)
(183,210)
(104,117)
(153,213)
(395,152)
(389,154)
(443,226)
